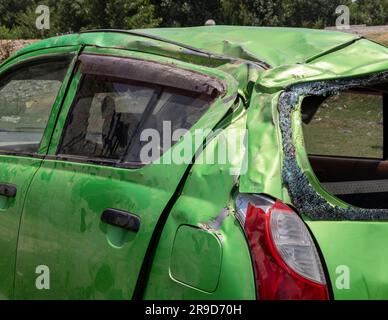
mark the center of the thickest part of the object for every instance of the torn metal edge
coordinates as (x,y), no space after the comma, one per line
(303,195)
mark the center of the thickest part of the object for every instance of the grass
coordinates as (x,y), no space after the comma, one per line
(347,125)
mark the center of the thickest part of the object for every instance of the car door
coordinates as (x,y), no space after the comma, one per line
(30,93)
(97,198)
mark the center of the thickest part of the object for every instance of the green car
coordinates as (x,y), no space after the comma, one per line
(212,162)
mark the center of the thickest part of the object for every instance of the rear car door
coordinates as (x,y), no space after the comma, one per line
(30,92)
(96,200)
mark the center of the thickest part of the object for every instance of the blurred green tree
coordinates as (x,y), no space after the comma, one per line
(120,14)
(369,12)
(182,13)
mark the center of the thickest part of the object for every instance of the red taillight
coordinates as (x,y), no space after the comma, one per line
(287,265)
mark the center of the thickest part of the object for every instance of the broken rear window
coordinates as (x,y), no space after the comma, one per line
(344,138)
(348,124)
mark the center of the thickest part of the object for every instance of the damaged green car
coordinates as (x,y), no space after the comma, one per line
(120,177)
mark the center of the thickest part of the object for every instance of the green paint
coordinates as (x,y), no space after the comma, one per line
(196,258)
(18,171)
(206,194)
(59,203)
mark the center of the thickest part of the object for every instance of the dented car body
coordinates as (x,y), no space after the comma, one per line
(262,224)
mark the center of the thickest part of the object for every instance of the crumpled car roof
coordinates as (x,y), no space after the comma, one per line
(290,55)
(275,46)
(296,55)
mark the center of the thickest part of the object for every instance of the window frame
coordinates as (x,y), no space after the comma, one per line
(32,61)
(217,89)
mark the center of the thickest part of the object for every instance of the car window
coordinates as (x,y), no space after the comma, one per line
(347,124)
(26,97)
(109,115)
(344,137)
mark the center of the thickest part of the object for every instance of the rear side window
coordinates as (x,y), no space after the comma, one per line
(344,138)
(349,124)
(109,114)
(27,95)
